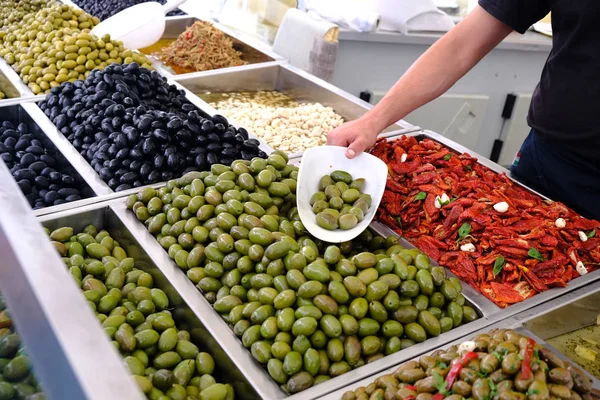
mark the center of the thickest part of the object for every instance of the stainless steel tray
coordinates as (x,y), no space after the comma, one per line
(20,114)
(255,373)
(528,323)
(540,298)
(254,52)
(69,351)
(85,169)
(297,84)
(103,216)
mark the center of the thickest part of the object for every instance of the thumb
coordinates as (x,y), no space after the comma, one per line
(354,149)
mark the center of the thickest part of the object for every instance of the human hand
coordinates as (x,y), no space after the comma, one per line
(358,135)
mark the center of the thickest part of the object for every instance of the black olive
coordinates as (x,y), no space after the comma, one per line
(6,157)
(24,174)
(135,165)
(207,126)
(173,161)
(167,175)
(174,124)
(148,147)
(113,183)
(37,166)
(27,160)
(60,121)
(55,176)
(154,176)
(214,138)
(10,142)
(159,162)
(220,128)
(136,154)
(21,145)
(243,132)
(120,141)
(46,172)
(51,197)
(214,148)
(212,158)
(25,186)
(219,119)
(73,197)
(122,187)
(160,134)
(122,154)
(68,180)
(145,169)
(41,182)
(48,160)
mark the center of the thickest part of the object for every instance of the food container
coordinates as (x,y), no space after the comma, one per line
(60,332)
(268,389)
(536,323)
(22,114)
(84,168)
(539,298)
(291,81)
(103,215)
(253,52)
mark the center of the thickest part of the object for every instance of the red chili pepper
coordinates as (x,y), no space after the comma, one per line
(410,398)
(526,365)
(410,387)
(438,396)
(457,366)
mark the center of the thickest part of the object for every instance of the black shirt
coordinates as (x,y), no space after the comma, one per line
(566,103)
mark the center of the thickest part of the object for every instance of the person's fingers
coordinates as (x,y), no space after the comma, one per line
(356,147)
(337,137)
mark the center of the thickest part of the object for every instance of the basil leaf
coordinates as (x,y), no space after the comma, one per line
(591,234)
(464,230)
(534,253)
(499,265)
(447,157)
(421,196)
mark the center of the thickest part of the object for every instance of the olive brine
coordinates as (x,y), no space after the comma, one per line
(308,311)
(16,378)
(340,203)
(162,356)
(136,129)
(43,179)
(501,365)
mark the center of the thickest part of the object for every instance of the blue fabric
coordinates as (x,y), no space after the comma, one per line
(558,174)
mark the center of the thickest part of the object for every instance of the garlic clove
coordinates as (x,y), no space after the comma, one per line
(501,207)
(470,247)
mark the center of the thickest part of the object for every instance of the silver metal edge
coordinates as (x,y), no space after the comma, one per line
(254,373)
(68,151)
(69,350)
(516,322)
(540,297)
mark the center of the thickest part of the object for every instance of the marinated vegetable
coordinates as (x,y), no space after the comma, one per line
(17,381)
(282,122)
(201,47)
(500,365)
(162,357)
(136,129)
(503,240)
(340,203)
(53,45)
(307,311)
(39,174)
(107,8)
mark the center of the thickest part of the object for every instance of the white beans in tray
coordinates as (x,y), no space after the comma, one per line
(282,122)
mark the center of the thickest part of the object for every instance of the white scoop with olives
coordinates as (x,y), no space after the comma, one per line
(337,197)
(340,201)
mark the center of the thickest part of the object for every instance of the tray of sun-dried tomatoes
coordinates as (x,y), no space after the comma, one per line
(513,245)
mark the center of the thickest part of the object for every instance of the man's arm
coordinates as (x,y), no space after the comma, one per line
(448,60)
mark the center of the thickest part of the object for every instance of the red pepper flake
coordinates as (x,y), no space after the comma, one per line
(526,365)
(458,365)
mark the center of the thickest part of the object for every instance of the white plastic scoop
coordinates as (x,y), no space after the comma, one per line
(323,160)
(139,26)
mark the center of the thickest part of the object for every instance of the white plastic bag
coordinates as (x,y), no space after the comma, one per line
(411,15)
(357,15)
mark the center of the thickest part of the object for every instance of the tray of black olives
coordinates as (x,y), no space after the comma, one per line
(134,128)
(45,177)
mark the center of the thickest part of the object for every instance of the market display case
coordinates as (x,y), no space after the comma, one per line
(542,323)
(288,80)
